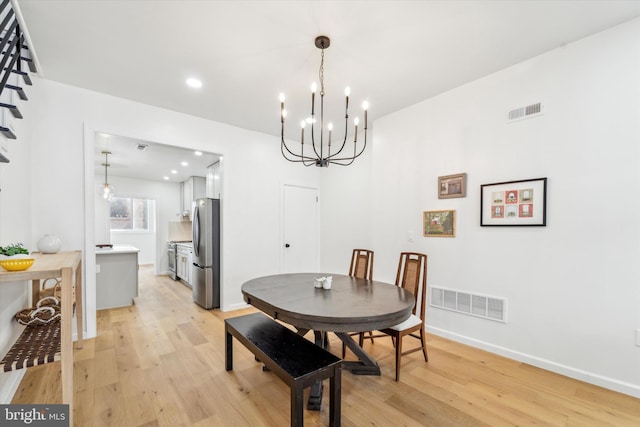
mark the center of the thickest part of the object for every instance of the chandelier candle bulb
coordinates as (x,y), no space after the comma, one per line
(347,92)
(365,106)
(282,113)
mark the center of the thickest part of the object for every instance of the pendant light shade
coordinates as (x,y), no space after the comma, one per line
(108,190)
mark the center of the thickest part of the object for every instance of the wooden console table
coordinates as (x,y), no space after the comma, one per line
(67,266)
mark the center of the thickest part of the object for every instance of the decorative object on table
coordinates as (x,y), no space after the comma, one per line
(49,244)
(13,250)
(16,264)
(439,223)
(514,203)
(320,153)
(46,311)
(323,282)
(452,186)
(108,190)
(15,257)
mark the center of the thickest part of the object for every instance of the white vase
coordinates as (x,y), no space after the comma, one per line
(49,244)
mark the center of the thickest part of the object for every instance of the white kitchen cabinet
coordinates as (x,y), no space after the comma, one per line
(214,180)
(183,264)
(192,189)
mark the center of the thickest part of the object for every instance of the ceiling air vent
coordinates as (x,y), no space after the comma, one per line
(526,112)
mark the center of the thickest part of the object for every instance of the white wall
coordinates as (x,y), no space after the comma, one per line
(573,286)
(345,218)
(15,226)
(65,120)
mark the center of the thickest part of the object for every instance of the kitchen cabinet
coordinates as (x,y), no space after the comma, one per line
(183,263)
(214,180)
(116,276)
(192,189)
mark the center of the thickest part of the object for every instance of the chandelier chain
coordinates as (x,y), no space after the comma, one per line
(321,72)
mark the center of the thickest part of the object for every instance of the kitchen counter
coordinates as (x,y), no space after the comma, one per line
(116,276)
(117,249)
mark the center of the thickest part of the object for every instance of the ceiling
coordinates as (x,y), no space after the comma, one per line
(391,53)
(133,158)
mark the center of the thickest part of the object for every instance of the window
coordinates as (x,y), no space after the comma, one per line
(129,214)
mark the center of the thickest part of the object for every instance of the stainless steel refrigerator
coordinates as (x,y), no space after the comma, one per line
(205,271)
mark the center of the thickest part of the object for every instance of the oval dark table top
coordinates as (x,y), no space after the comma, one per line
(351,305)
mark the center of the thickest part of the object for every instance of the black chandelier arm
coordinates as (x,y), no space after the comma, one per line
(299,158)
(346,129)
(350,159)
(313,141)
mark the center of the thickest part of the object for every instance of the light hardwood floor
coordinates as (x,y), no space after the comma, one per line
(161,363)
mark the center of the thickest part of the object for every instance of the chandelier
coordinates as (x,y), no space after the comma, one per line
(107,189)
(320,154)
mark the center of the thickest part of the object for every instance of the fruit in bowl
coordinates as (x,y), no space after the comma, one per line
(15,257)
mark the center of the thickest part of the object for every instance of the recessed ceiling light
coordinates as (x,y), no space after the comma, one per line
(173,171)
(166,178)
(184,163)
(194,83)
(198,153)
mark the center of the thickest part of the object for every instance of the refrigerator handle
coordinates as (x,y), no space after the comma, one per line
(196,231)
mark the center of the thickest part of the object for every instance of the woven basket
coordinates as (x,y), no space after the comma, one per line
(46,311)
(51,288)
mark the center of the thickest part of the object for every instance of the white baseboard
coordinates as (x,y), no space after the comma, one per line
(233,307)
(9,383)
(571,372)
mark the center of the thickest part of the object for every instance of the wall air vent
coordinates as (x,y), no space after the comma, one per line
(487,307)
(526,112)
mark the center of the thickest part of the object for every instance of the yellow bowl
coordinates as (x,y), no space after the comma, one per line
(16,264)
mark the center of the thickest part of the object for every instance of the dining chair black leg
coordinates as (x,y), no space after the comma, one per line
(398,356)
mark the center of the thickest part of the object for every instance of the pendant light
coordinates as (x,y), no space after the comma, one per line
(108,190)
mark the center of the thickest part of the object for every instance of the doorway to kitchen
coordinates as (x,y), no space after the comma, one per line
(143,172)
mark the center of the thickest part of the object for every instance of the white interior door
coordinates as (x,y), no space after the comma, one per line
(300,229)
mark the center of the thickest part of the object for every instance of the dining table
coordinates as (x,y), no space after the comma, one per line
(350,305)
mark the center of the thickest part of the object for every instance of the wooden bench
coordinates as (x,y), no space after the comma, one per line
(295,360)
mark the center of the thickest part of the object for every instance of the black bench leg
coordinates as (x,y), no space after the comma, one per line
(335,398)
(297,412)
(228,350)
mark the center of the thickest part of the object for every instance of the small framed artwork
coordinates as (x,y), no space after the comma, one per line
(439,223)
(514,203)
(451,186)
